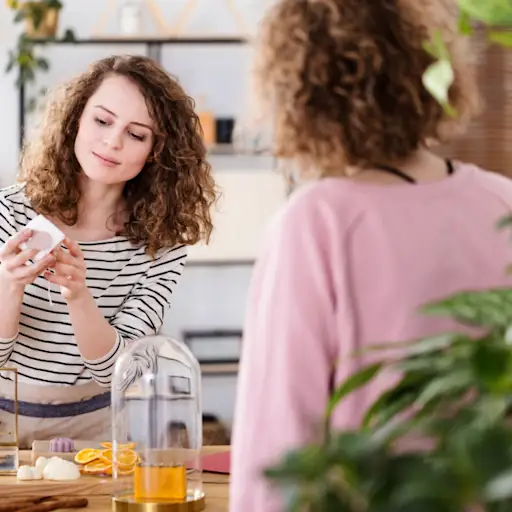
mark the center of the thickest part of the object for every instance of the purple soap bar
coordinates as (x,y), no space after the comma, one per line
(62,445)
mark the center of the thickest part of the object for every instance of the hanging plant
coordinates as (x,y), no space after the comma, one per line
(40,20)
(493,17)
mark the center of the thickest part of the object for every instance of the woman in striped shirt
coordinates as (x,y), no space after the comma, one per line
(119,166)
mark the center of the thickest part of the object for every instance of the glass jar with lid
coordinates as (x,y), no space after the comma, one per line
(156,413)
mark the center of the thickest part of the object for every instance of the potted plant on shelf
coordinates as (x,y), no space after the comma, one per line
(40,23)
(41,17)
(454,393)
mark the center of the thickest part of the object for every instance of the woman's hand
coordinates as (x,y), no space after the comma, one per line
(14,271)
(69,271)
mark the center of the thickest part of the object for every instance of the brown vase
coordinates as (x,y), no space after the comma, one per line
(47,28)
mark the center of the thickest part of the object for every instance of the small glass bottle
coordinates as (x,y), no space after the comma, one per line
(156,411)
(130,18)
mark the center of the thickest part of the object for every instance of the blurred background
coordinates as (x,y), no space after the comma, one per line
(206,44)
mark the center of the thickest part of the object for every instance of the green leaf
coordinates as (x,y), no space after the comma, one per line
(436,47)
(454,383)
(421,346)
(499,488)
(43,63)
(20,16)
(504,222)
(53,4)
(501,38)
(492,365)
(304,464)
(437,79)
(355,381)
(488,308)
(394,400)
(491,12)
(465,27)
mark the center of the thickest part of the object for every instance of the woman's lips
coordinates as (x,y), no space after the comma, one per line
(106,160)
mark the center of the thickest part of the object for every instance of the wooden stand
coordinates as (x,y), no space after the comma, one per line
(177,27)
(156,15)
(190,6)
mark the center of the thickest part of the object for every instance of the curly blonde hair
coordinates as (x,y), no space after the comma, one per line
(169,202)
(342,80)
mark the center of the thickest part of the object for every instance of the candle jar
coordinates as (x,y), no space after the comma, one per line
(156,413)
(130,18)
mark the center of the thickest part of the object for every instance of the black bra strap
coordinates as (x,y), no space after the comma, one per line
(397,172)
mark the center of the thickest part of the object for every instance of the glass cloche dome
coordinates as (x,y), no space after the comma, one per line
(156,411)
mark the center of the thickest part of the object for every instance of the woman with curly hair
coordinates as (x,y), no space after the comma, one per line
(386,226)
(119,166)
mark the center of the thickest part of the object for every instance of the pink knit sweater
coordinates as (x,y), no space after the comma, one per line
(347,264)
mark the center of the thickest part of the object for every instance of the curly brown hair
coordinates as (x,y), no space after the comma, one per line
(343,80)
(169,202)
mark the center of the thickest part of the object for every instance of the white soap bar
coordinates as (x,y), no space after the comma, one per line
(41,463)
(25,473)
(59,469)
(46,236)
(29,473)
(37,474)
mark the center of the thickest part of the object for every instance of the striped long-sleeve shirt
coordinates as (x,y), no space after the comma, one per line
(132,290)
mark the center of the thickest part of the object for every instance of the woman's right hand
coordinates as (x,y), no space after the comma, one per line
(13,269)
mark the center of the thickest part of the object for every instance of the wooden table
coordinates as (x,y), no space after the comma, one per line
(217,494)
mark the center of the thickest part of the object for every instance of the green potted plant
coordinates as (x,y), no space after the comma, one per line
(454,393)
(41,17)
(41,23)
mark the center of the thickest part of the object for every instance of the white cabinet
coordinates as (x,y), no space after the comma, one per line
(249,199)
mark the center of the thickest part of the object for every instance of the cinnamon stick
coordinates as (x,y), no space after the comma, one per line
(17,504)
(48,506)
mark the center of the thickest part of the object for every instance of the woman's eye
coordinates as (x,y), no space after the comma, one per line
(137,137)
(100,121)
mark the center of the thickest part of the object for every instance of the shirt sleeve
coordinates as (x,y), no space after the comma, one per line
(288,354)
(143,310)
(7,229)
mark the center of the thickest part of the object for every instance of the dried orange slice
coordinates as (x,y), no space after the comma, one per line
(122,471)
(87,455)
(98,467)
(121,446)
(125,458)
(106,456)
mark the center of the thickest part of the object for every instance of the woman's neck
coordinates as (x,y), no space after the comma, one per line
(100,213)
(423,166)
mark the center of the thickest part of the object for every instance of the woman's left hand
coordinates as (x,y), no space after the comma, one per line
(69,271)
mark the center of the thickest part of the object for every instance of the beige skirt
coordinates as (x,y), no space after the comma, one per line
(46,412)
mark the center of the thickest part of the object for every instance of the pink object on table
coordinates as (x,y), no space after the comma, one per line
(217,463)
(62,445)
(347,264)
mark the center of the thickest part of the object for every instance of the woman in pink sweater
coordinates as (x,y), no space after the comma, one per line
(387,227)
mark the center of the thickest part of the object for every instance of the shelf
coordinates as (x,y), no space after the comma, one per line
(220,263)
(148,40)
(219,369)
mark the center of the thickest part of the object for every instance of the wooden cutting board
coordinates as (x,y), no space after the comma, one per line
(11,487)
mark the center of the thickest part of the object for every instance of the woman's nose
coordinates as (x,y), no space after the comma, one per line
(114,140)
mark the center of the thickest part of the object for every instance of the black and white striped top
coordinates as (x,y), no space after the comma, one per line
(132,290)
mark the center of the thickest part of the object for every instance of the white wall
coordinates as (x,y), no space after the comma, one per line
(207,297)
(8,102)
